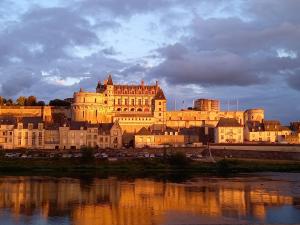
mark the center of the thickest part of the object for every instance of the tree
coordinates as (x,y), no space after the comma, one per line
(178,159)
(31,101)
(2,100)
(59,102)
(40,103)
(87,155)
(21,100)
(9,102)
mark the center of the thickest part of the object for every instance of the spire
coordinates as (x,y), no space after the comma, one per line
(99,85)
(109,80)
(160,95)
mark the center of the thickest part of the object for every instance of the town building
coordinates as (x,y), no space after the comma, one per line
(270,131)
(7,125)
(29,133)
(229,130)
(34,133)
(158,138)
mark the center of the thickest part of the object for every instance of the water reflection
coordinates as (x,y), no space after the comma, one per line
(46,200)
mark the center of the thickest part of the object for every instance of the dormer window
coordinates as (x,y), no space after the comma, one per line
(30,126)
(40,126)
(20,126)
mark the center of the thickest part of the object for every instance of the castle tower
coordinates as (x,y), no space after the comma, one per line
(160,107)
(254,115)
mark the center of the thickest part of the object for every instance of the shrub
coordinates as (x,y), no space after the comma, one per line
(223,167)
(87,154)
(178,159)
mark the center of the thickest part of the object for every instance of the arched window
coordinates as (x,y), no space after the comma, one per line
(139,110)
(132,109)
(146,110)
(118,109)
(125,109)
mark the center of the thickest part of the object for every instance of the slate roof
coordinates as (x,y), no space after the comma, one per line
(160,95)
(267,125)
(109,80)
(228,122)
(8,120)
(31,120)
(144,131)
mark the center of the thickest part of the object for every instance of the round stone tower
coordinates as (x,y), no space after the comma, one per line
(254,115)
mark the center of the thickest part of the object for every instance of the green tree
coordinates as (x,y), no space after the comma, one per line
(2,100)
(21,100)
(178,159)
(9,102)
(87,154)
(40,103)
(31,101)
(59,102)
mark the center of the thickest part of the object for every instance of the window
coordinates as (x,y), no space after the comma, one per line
(119,101)
(146,101)
(159,103)
(132,101)
(140,101)
(126,101)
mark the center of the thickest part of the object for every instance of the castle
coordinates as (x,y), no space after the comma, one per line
(138,106)
(133,115)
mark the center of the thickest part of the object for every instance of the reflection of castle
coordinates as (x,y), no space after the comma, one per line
(141,202)
(137,106)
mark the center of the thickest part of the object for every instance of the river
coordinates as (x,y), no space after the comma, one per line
(256,198)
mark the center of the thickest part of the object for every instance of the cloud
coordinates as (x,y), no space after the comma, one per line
(205,69)
(294,80)
(44,43)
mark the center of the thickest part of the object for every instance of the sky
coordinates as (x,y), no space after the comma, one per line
(243,52)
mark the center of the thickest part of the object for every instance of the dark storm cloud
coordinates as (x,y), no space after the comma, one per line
(231,51)
(129,7)
(206,68)
(294,80)
(16,83)
(41,44)
(273,11)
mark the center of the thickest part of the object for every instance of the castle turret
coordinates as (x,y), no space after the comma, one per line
(160,106)
(254,115)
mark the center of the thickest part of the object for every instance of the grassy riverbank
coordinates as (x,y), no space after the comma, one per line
(177,164)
